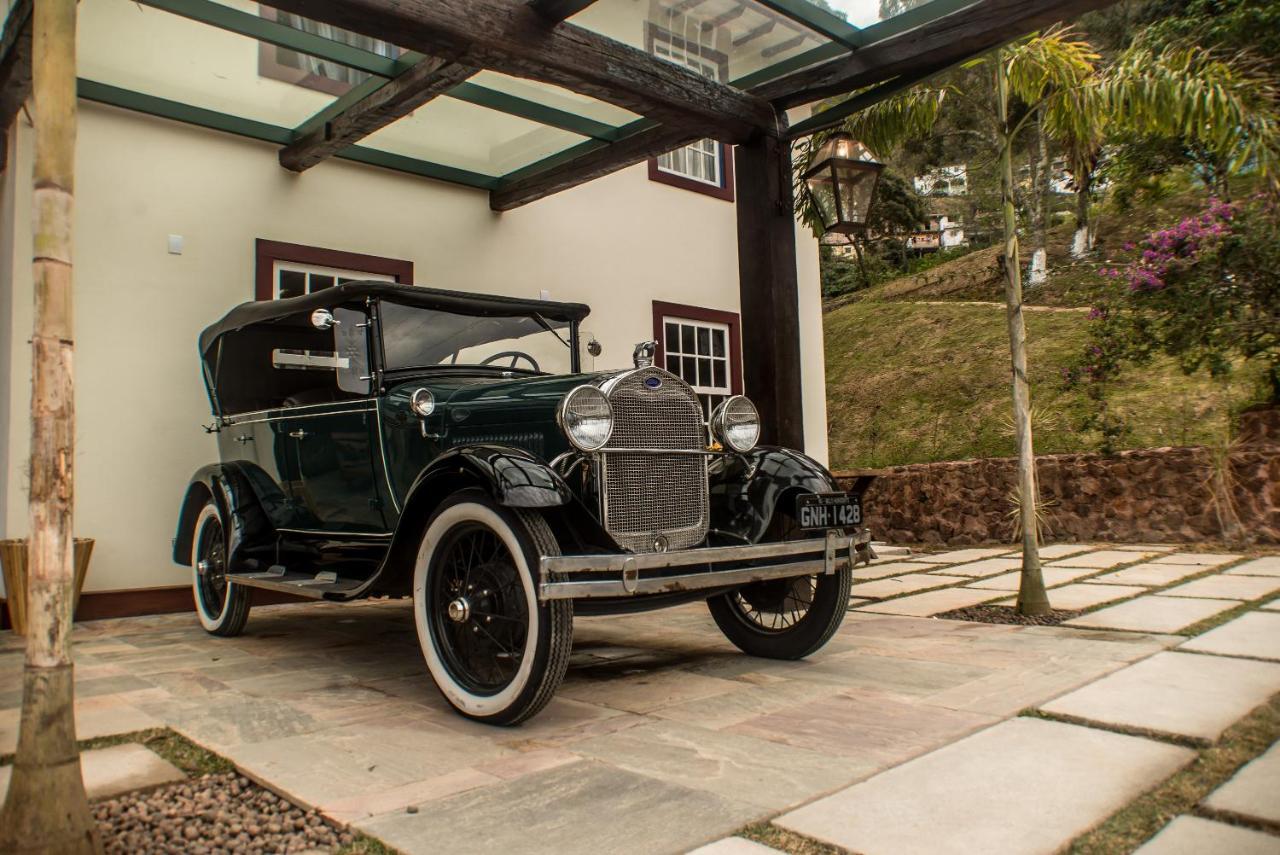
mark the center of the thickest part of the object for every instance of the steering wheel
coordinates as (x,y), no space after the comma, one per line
(515,355)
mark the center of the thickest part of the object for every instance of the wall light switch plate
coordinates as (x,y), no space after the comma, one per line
(175,244)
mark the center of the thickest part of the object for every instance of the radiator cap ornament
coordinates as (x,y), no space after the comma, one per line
(642,356)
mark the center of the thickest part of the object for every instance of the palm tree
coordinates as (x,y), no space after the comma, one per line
(46,809)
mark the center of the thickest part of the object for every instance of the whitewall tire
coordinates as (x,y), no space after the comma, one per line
(221,605)
(494,651)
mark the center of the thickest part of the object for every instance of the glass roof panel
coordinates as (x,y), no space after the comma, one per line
(460,134)
(723,39)
(148,50)
(555,97)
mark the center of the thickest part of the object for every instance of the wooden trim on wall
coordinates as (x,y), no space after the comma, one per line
(724,190)
(712,316)
(268,251)
(136,602)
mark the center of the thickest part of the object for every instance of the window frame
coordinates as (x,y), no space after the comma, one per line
(680,311)
(725,189)
(268,252)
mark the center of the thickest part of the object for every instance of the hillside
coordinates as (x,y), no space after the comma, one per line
(913,382)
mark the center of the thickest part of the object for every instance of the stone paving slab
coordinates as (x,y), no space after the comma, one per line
(734,846)
(1266,566)
(1053,576)
(985,567)
(1225,588)
(1191,835)
(895,585)
(582,809)
(119,769)
(1146,547)
(1254,791)
(1155,575)
(1273,606)
(98,716)
(1059,550)
(1199,559)
(878,570)
(959,556)
(1021,787)
(932,602)
(1153,614)
(1179,693)
(1255,634)
(1082,596)
(1103,559)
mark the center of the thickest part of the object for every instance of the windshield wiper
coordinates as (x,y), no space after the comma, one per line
(546,325)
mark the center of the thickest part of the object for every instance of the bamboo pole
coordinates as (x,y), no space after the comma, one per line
(46,809)
(1032,599)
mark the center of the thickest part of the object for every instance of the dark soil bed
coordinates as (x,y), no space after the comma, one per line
(1007,614)
(211,815)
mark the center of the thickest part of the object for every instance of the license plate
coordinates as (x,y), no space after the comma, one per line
(828,510)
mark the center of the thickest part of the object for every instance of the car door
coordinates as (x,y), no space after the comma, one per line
(333,443)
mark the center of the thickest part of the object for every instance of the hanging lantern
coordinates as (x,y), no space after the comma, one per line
(841,182)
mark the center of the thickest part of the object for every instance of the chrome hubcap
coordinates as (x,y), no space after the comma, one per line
(459,610)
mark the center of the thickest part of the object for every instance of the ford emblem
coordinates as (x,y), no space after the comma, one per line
(653,382)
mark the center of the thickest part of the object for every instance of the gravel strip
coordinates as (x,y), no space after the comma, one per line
(212,815)
(1008,614)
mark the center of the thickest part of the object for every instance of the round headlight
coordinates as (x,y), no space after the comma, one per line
(736,424)
(586,417)
(422,402)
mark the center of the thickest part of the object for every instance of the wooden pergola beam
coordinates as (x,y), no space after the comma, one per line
(556,11)
(910,56)
(15,71)
(964,33)
(396,99)
(510,37)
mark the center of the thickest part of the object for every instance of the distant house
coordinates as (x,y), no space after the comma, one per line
(941,233)
(944,181)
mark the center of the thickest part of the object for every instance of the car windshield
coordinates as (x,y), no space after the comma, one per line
(414,337)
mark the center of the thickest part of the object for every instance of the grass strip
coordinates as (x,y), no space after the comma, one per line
(788,841)
(1140,820)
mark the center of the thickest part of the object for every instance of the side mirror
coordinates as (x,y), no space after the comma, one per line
(322,319)
(594,348)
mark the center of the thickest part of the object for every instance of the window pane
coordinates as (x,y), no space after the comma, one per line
(293,283)
(721,381)
(671,337)
(673,364)
(319,282)
(686,339)
(704,372)
(717,342)
(704,341)
(690,369)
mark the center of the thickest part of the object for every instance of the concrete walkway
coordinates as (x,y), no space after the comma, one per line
(663,738)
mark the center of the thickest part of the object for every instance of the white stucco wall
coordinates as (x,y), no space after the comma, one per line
(617,243)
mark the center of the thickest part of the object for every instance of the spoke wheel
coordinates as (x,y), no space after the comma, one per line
(221,605)
(496,653)
(477,609)
(783,618)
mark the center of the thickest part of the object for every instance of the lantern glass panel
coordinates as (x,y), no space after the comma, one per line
(822,190)
(856,184)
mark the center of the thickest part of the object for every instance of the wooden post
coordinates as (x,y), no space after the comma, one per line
(1032,599)
(46,809)
(768,289)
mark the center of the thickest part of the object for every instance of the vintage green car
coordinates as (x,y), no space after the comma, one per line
(379,439)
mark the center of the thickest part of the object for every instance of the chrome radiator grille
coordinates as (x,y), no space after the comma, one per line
(651,495)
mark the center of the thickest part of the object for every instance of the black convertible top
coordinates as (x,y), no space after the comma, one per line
(462,302)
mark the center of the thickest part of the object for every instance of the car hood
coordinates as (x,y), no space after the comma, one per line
(478,400)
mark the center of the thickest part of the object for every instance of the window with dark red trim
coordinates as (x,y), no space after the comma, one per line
(701,346)
(291,269)
(705,166)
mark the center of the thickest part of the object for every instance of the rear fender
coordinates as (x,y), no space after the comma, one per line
(747,489)
(232,486)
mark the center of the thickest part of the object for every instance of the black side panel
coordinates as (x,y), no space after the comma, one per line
(747,488)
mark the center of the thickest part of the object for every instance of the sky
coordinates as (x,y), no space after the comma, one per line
(859,12)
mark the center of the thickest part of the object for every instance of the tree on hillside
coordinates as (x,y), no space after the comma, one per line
(46,809)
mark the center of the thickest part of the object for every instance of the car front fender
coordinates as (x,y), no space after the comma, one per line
(746,489)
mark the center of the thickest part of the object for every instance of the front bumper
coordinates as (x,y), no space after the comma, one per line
(564,577)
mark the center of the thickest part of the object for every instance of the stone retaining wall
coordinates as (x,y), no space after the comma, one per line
(1149,495)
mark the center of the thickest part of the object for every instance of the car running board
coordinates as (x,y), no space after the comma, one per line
(326,585)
